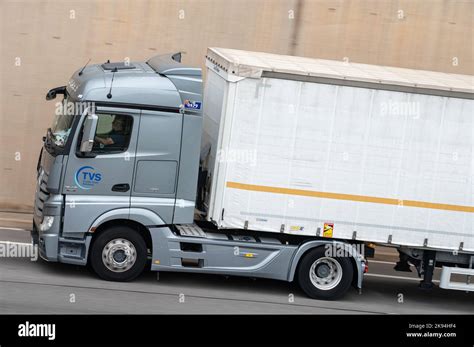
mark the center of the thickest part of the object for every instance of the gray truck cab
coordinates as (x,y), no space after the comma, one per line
(95,168)
(118,180)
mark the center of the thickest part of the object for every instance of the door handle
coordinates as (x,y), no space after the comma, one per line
(121,187)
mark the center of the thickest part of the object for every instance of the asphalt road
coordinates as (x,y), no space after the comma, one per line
(42,288)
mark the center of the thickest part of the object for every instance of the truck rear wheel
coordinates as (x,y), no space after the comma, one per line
(118,254)
(323,277)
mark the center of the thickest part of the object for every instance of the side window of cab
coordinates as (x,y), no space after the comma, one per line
(113,133)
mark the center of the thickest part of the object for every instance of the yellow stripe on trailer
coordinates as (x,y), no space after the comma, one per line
(349,197)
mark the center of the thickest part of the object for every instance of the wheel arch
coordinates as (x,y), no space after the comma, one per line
(356,258)
(137,219)
(132,224)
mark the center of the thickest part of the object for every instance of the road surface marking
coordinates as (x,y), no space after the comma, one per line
(384,262)
(381,262)
(397,277)
(7,228)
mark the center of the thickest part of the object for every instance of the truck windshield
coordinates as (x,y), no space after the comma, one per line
(62,124)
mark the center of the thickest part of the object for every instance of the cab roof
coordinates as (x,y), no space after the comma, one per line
(149,84)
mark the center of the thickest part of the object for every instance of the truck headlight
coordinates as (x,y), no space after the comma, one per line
(47,223)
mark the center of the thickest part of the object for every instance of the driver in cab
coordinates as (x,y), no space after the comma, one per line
(116,136)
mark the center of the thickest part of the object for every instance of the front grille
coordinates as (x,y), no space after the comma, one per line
(42,195)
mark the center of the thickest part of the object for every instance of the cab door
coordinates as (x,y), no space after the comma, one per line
(157,165)
(102,180)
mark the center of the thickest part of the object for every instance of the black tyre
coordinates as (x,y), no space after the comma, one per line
(118,254)
(323,277)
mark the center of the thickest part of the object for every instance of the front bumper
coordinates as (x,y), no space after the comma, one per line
(54,248)
(47,240)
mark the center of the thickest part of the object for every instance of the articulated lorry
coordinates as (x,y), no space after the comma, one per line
(284,168)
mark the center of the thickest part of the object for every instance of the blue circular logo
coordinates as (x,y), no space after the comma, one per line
(87,177)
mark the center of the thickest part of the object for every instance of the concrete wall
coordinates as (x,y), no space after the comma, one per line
(43,42)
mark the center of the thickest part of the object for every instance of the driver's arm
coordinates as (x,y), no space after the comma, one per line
(104,141)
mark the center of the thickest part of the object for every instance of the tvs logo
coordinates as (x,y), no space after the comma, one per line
(86,177)
(194,105)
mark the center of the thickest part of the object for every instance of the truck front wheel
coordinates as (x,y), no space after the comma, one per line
(323,277)
(118,254)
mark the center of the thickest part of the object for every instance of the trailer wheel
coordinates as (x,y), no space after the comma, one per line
(323,277)
(118,254)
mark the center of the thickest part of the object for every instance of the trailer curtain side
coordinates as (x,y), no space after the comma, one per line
(340,161)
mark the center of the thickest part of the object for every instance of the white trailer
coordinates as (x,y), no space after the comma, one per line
(341,150)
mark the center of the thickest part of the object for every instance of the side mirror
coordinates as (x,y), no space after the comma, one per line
(88,135)
(53,92)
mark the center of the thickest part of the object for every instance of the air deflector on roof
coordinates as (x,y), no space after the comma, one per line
(170,64)
(186,79)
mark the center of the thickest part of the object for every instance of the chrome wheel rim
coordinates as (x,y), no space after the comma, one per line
(325,273)
(119,255)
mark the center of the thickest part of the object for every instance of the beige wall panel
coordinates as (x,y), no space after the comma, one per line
(51,45)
